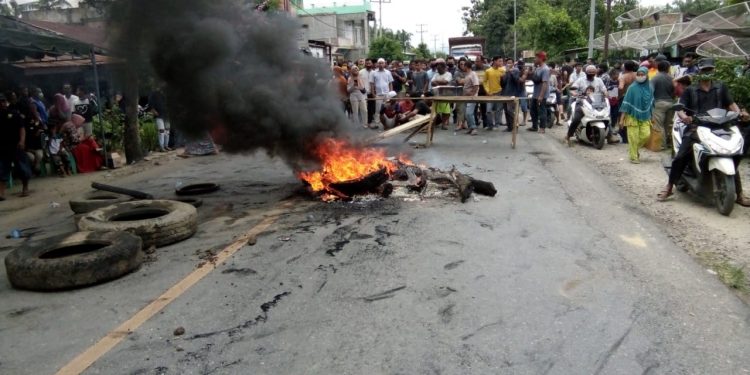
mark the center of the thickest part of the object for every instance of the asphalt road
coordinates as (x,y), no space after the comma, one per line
(555,275)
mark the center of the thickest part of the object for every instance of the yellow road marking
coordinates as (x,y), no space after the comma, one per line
(114,337)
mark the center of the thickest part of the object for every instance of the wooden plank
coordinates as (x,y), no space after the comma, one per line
(431,128)
(417,122)
(474,99)
(515,124)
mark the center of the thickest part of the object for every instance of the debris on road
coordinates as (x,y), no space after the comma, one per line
(383,295)
(179,331)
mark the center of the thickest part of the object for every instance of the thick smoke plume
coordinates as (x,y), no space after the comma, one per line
(231,71)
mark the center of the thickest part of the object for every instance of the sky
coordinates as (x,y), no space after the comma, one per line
(442,18)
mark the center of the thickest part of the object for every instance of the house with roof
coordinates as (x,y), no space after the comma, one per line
(345,27)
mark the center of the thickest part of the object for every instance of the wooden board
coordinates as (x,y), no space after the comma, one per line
(418,121)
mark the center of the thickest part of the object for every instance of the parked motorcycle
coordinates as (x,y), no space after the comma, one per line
(595,123)
(711,173)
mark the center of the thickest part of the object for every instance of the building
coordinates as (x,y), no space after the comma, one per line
(346,28)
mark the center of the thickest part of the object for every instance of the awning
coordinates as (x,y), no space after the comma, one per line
(19,39)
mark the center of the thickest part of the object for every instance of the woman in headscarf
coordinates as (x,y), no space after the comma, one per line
(358,97)
(635,113)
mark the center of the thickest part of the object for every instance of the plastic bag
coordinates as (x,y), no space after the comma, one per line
(655,140)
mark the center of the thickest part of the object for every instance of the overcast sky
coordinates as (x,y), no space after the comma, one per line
(442,21)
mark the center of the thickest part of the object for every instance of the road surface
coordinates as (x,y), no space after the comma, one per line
(555,275)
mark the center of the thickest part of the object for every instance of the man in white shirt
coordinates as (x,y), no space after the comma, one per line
(381,83)
(577,74)
(70,99)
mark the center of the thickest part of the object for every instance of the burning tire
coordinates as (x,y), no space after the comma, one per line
(73,260)
(95,200)
(156,222)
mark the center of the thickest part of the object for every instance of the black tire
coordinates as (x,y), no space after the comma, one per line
(157,222)
(95,200)
(196,189)
(600,135)
(195,202)
(682,186)
(73,260)
(724,192)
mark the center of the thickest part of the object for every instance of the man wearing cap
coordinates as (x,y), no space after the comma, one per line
(12,145)
(706,95)
(540,77)
(578,88)
(390,111)
(381,83)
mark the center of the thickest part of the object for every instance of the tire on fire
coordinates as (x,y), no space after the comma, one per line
(94,200)
(157,222)
(73,260)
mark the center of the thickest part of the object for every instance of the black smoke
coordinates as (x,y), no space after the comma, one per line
(233,71)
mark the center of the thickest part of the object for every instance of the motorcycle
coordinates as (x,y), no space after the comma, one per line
(711,172)
(595,123)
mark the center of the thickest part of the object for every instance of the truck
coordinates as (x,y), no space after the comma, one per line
(466,46)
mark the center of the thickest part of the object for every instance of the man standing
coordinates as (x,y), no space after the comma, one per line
(364,75)
(480,69)
(450,61)
(471,88)
(510,83)
(706,95)
(399,77)
(540,77)
(86,107)
(442,78)
(688,65)
(577,73)
(419,82)
(70,99)
(492,87)
(157,102)
(381,83)
(663,100)
(12,145)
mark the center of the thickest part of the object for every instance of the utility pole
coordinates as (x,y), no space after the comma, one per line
(592,19)
(380,12)
(421,32)
(434,44)
(515,32)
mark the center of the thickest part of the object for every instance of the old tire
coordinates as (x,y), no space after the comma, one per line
(73,260)
(724,192)
(157,222)
(197,189)
(95,200)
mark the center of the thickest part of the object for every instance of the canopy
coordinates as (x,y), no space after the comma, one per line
(19,39)
(725,46)
(639,14)
(662,36)
(617,40)
(733,20)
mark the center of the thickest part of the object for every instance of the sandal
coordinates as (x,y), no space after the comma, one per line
(664,195)
(743,201)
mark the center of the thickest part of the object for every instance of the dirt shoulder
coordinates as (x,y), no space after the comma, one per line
(718,242)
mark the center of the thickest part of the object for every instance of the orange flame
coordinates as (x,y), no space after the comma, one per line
(342,162)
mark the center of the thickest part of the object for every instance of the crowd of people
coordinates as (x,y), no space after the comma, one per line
(380,95)
(36,133)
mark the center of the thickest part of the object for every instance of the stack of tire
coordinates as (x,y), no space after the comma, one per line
(113,231)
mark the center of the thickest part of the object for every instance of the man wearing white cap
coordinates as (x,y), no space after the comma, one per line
(381,83)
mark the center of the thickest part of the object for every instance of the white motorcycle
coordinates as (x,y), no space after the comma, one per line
(594,125)
(712,171)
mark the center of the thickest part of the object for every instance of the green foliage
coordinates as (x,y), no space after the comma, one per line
(422,52)
(547,28)
(113,123)
(732,276)
(737,82)
(387,48)
(402,36)
(694,7)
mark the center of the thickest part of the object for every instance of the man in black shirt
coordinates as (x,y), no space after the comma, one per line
(707,95)
(12,145)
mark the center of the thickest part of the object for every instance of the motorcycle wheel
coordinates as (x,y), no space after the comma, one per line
(682,186)
(724,192)
(600,135)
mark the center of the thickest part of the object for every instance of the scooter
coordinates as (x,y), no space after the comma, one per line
(711,172)
(594,125)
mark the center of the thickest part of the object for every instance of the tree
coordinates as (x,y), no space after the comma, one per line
(386,47)
(52,4)
(402,36)
(547,28)
(695,7)
(422,52)
(492,19)
(9,8)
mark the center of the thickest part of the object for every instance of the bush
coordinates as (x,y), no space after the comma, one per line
(738,84)
(113,122)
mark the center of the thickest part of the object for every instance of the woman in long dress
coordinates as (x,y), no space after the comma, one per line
(635,113)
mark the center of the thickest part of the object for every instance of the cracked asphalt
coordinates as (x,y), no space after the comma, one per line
(555,275)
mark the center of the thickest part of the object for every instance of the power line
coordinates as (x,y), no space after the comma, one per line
(421,32)
(380,12)
(434,43)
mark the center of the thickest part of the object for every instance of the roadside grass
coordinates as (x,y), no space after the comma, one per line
(730,274)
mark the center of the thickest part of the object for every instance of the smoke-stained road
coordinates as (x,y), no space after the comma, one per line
(554,275)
